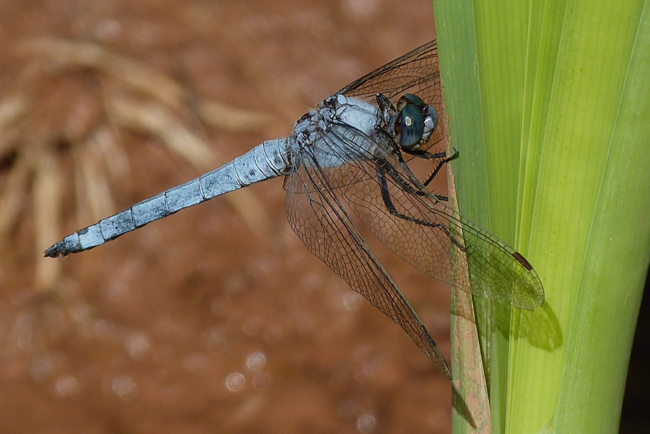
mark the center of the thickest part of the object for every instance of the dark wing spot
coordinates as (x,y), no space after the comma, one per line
(522,260)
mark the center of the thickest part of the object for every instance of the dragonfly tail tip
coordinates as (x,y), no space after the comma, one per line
(55,251)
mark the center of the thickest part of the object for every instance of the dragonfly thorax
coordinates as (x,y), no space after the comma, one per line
(336,110)
(340,130)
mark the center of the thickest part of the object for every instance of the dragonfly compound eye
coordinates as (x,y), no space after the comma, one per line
(430,122)
(409,126)
(410,98)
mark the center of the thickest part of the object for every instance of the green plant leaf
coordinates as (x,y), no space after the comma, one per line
(549,106)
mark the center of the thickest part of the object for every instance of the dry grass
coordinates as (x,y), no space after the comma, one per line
(78,98)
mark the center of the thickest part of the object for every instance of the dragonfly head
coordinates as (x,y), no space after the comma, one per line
(415,121)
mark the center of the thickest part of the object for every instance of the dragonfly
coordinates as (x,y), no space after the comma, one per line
(347,165)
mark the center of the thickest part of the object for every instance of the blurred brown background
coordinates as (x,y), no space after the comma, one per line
(216,319)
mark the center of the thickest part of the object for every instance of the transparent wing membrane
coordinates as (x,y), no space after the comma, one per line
(321,221)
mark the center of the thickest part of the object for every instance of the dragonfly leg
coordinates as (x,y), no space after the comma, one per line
(385,195)
(441,197)
(442,160)
(425,155)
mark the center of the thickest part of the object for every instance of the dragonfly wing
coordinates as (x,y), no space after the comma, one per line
(416,72)
(423,231)
(319,218)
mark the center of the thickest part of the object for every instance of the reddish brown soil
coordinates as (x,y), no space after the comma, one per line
(198,325)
